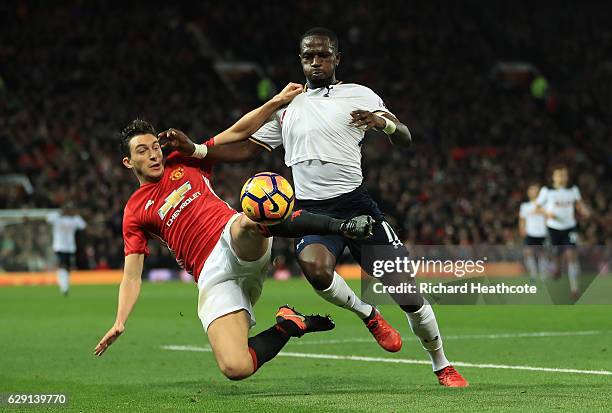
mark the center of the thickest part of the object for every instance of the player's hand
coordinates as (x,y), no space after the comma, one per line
(367,120)
(288,93)
(109,338)
(176,140)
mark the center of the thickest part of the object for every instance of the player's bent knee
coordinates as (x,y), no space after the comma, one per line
(237,369)
(248,227)
(319,270)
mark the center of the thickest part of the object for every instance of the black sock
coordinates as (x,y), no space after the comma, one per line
(302,223)
(266,345)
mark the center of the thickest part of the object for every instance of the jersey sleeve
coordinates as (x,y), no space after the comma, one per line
(52,217)
(576,192)
(134,238)
(270,135)
(542,197)
(80,223)
(523,211)
(370,101)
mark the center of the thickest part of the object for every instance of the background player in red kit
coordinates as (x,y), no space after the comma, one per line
(225,251)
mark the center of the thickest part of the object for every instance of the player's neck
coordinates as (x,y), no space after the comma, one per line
(322,83)
(143,180)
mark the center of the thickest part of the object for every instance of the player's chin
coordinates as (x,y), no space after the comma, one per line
(319,76)
(155,174)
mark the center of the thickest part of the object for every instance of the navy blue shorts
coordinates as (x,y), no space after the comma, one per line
(529,240)
(562,237)
(65,260)
(345,206)
(383,244)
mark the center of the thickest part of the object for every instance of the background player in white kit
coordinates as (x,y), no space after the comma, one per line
(532,227)
(64,226)
(322,131)
(559,204)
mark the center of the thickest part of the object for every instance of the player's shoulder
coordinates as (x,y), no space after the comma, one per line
(137,198)
(575,191)
(356,89)
(53,216)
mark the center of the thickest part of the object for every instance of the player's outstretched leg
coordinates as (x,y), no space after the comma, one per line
(238,357)
(302,223)
(318,264)
(421,317)
(425,326)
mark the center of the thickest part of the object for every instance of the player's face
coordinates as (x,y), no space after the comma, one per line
(532,192)
(560,178)
(319,60)
(145,158)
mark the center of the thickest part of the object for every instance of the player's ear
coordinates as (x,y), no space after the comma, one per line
(127,162)
(337,59)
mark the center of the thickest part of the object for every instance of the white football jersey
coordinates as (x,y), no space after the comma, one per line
(64,227)
(321,146)
(535,223)
(559,202)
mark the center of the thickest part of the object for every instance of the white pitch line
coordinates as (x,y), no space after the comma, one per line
(464,336)
(207,349)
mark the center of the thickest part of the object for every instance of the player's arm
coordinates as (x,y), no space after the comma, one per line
(252,121)
(583,209)
(541,201)
(398,132)
(522,230)
(129,290)
(238,132)
(235,152)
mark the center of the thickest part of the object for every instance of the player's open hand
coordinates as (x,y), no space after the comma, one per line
(109,338)
(177,141)
(366,120)
(289,92)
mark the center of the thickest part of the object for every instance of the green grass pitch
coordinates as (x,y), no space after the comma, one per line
(47,341)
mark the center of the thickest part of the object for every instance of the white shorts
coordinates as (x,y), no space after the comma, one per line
(227,283)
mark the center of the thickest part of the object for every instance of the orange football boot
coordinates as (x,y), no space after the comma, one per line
(304,323)
(386,336)
(450,377)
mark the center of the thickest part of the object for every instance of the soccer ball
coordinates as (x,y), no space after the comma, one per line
(267,198)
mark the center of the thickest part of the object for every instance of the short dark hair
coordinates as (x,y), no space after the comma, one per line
(325,32)
(558,165)
(134,128)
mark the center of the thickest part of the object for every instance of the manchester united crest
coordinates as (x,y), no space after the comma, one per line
(177,173)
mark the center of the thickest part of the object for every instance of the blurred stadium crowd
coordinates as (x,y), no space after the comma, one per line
(72,74)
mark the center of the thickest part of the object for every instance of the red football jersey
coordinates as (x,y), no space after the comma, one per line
(181,210)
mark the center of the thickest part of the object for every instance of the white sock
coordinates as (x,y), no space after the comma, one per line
(543,268)
(572,273)
(531,265)
(63,280)
(340,294)
(424,325)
